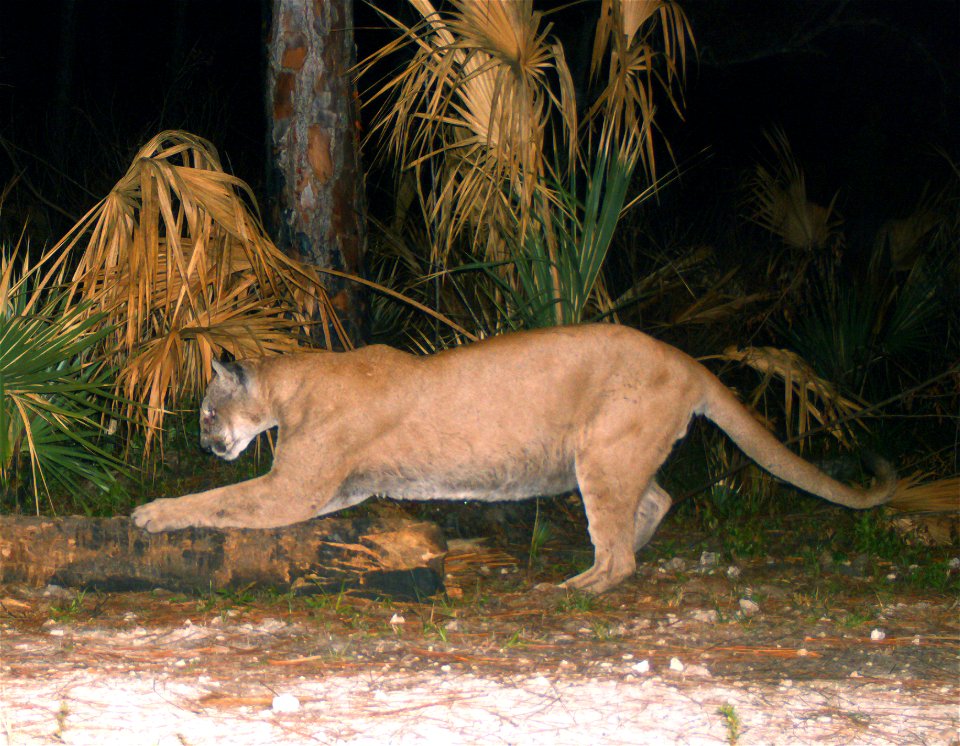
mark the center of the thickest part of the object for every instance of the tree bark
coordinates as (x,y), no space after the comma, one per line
(377,556)
(315,183)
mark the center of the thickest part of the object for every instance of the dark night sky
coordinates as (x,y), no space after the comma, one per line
(866,90)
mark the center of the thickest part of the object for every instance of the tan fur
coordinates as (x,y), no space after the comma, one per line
(534,413)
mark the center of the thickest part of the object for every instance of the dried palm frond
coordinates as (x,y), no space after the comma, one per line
(714,305)
(485,114)
(478,94)
(177,259)
(623,45)
(900,240)
(913,494)
(779,201)
(807,397)
(933,508)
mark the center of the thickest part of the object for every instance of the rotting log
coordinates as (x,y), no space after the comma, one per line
(376,556)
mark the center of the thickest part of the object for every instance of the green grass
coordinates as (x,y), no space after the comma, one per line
(71,610)
(578,601)
(732,721)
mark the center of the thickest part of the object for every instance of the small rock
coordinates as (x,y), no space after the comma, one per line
(285,703)
(676,665)
(877,634)
(709,559)
(733,572)
(748,607)
(452,626)
(641,666)
(954,563)
(396,620)
(677,564)
(698,670)
(855,568)
(707,616)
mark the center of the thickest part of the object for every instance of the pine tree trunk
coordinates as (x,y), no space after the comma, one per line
(315,183)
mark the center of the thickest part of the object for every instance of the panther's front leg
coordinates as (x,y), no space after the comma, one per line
(265,502)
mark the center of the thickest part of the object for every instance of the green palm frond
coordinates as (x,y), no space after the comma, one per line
(56,390)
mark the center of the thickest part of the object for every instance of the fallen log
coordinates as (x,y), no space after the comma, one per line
(375,556)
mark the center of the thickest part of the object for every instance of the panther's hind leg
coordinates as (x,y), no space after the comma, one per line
(615,482)
(653,506)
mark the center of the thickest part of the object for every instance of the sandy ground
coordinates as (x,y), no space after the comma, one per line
(682,654)
(453,708)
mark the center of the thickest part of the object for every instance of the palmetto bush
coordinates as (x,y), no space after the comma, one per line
(56,386)
(176,263)
(863,331)
(506,167)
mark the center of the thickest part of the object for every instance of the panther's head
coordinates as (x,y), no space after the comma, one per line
(232,413)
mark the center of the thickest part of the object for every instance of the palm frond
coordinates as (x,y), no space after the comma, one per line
(779,201)
(918,493)
(178,261)
(55,388)
(483,92)
(807,398)
(635,67)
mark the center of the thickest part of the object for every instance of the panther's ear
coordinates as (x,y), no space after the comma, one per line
(231,373)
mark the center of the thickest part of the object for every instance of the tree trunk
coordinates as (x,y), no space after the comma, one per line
(315,182)
(378,556)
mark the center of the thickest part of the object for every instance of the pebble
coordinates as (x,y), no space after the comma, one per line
(641,666)
(676,665)
(285,703)
(877,634)
(709,559)
(748,607)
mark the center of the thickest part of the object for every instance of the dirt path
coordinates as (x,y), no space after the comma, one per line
(687,653)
